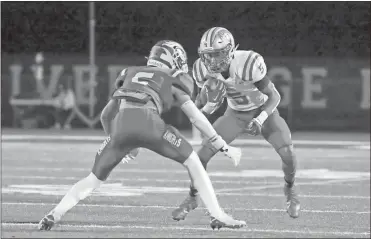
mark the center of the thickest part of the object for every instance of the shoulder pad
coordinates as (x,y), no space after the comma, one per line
(120,79)
(251,66)
(175,72)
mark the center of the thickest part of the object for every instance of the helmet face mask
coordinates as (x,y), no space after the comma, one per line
(180,59)
(168,54)
(217,49)
(217,61)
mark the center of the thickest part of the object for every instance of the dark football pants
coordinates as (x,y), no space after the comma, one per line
(139,128)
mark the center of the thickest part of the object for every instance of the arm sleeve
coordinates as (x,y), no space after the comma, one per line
(187,81)
(184,82)
(198,119)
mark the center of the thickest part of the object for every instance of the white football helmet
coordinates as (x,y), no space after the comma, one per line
(217,49)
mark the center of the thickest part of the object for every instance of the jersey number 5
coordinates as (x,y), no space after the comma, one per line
(148,79)
(142,78)
(239,98)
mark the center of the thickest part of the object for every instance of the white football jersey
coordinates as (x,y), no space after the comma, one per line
(247,67)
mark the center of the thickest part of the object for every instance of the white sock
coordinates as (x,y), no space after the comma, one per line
(78,192)
(202,183)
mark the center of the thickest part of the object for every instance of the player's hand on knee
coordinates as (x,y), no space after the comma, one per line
(254,128)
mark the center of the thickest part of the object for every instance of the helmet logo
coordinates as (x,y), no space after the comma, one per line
(224,36)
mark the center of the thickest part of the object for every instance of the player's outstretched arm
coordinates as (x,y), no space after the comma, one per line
(201,122)
(108,114)
(196,117)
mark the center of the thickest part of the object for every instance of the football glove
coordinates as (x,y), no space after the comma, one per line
(255,126)
(215,94)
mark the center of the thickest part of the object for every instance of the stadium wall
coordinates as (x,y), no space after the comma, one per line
(317,93)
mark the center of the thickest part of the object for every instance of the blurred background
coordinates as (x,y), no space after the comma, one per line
(59,60)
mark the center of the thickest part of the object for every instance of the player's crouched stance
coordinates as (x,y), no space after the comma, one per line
(252,100)
(141,95)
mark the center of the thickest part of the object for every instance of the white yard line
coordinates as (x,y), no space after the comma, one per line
(193,142)
(260,186)
(115,179)
(172,207)
(186,228)
(279,185)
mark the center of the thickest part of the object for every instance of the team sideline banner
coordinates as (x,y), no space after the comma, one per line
(317,93)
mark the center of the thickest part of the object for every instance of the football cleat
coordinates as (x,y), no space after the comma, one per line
(189,204)
(47,222)
(226,221)
(292,201)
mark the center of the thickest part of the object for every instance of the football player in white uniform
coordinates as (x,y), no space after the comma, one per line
(252,106)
